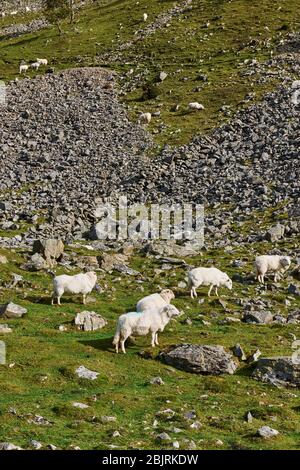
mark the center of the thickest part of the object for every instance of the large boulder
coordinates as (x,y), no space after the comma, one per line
(261,317)
(36,263)
(89,321)
(12,310)
(171,248)
(200,359)
(51,249)
(278,371)
(111,261)
(275,233)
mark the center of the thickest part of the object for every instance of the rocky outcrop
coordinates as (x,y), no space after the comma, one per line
(200,359)
(278,371)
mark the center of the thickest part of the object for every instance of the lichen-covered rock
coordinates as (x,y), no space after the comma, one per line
(12,310)
(200,359)
(51,249)
(89,321)
(278,371)
(262,317)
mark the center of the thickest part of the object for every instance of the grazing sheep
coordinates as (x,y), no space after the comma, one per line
(35,65)
(196,105)
(145,118)
(42,61)
(271,263)
(23,68)
(145,16)
(212,277)
(155,301)
(78,284)
(142,323)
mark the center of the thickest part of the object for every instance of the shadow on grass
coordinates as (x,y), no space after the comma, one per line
(103,344)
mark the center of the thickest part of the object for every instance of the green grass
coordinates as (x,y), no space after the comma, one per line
(183,49)
(42,379)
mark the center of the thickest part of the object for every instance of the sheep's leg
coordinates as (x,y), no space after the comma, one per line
(153,340)
(122,344)
(58,300)
(117,347)
(84,299)
(52,300)
(156,339)
(210,289)
(193,292)
(216,291)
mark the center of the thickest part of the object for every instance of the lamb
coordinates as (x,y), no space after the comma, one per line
(155,301)
(271,263)
(145,16)
(23,68)
(145,118)
(42,61)
(82,283)
(196,105)
(212,277)
(142,323)
(35,65)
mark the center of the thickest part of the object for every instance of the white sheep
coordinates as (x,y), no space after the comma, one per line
(42,61)
(155,301)
(145,118)
(145,16)
(27,9)
(196,105)
(212,277)
(3,14)
(271,263)
(82,283)
(35,65)
(14,13)
(23,68)
(142,323)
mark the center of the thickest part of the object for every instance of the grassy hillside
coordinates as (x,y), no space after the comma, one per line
(39,378)
(210,37)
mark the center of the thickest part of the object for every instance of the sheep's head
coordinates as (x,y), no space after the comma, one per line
(228,283)
(167,295)
(285,262)
(171,311)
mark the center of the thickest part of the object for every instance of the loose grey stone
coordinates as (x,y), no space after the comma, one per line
(200,359)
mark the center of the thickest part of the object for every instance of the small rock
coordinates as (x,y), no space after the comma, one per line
(36,444)
(266,432)
(157,381)
(163,437)
(85,373)
(82,406)
(238,352)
